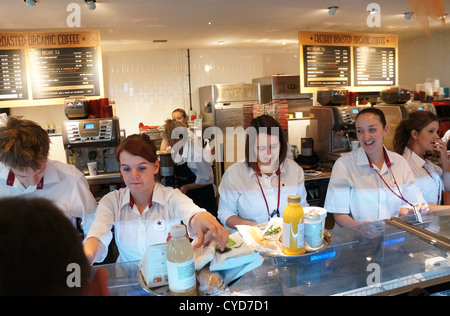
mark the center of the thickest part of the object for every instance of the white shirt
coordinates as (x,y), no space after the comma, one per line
(134,232)
(428,177)
(241,195)
(193,156)
(63,184)
(357,190)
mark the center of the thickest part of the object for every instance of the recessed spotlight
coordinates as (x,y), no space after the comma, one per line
(91,4)
(408,15)
(332,10)
(283,43)
(30,3)
(221,42)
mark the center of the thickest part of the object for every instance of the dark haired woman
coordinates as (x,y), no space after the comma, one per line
(143,212)
(371,183)
(255,190)
(416,136)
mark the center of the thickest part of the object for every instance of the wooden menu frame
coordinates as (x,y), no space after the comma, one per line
(52,42)
(351,43)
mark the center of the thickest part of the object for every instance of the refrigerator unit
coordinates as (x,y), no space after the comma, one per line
(222,107)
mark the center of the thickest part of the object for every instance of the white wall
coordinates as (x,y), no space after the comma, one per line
(147,85)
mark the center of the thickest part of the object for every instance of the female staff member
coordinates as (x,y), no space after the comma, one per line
(144,211)
(255,190)
(371,183)
(193,175)
(413,138)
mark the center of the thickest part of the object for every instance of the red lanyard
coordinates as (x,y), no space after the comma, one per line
(388,164)
(277,211)
(439,183)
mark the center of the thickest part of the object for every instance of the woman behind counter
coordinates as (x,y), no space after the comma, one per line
(143,212)
(255,190)
(371,183)
(416,136)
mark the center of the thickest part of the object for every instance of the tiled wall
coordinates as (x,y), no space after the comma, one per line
(147,85)
(425,57)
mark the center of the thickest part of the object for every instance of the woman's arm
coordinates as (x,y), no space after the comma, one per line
(234,220)
(345,220)
(93,249)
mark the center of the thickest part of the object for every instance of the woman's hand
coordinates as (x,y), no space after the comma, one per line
(202,222)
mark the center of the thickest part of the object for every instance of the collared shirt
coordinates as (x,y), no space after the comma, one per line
(193,155)
(428,176)
(134,232)
(357,190)
(63,184)
(241,195)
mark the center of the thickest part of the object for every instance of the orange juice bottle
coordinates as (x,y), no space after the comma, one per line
(293,227)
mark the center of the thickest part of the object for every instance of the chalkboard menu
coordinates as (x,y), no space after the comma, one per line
(64,72)
(13,75)
(327,66)
(374,66)
(359,62)
(43,68)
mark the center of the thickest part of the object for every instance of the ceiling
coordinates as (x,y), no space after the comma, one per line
(135,24)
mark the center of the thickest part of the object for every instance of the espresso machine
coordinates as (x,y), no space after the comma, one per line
(89,140)
(396,106)
(333,129)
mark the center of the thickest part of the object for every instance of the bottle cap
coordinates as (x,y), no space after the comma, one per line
(178,231)
(293,199)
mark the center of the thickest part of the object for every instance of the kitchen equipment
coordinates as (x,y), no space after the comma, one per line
(76,108)
(332,96)
(221,106)
(333,129)
(285,88)
(396,112)
(396,95)
(92,140)
(166,169)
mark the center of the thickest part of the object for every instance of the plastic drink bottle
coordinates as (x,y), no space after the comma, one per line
(293,227)
(180,263)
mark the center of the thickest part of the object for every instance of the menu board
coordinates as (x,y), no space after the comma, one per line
(13,77)
(374,66)
(43,68)
(358,62)
(327,66)
(64,72)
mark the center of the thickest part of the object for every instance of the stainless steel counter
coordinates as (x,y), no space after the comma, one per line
(367,259)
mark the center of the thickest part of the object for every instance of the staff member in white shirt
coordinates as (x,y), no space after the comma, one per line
(416,136)
(143,212)
(255,190)
(25,170)
(193,174)
(371,183)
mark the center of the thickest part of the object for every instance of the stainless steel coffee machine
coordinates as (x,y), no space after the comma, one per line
(333,129)
(92,140)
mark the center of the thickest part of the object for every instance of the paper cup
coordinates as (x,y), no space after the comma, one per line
(92,167)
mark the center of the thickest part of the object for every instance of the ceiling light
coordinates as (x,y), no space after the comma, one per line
(408,15)
(373,11)
(91,4)
(332,10)
(221,42)
(30,3)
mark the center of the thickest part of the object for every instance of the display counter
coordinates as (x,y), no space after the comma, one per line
(375,258)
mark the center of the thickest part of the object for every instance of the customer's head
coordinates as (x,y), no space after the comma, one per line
(419,130)
(180,131)
(41,251)
(24,149)
(265,145)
